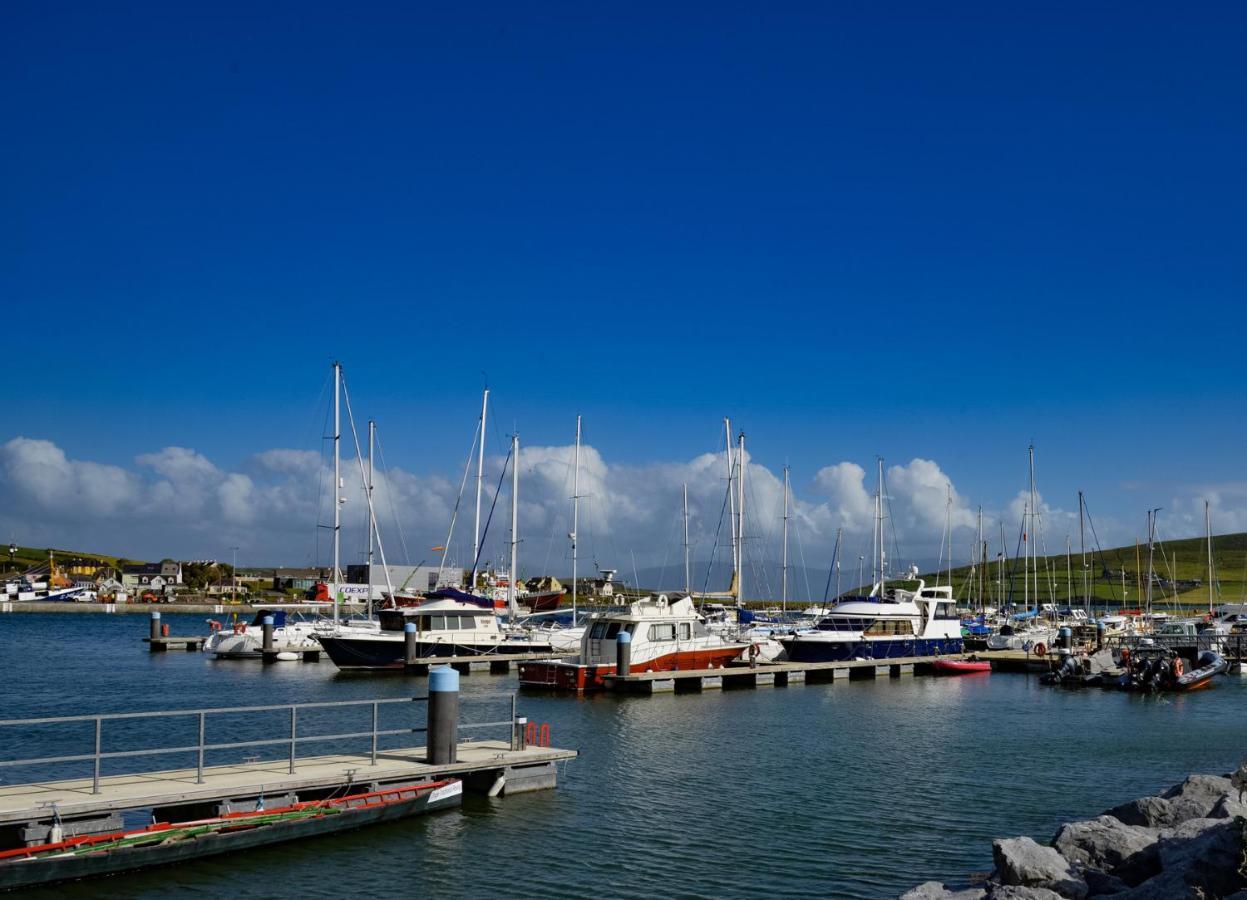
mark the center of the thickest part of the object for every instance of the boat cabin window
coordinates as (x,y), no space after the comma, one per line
(452,622)
(686,631)
(607,631)
(662,632)
(945,611)
(843,623)
(891,627)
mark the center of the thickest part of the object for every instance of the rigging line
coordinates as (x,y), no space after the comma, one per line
(1112,586)
(389,493)
(805,571)
(714,547)
(467,467)
(490,518)
(372,510)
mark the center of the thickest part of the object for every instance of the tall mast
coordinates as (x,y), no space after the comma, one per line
(480,483)
(731,500)
(687,579)
(1151,552)
(372,431)
(1034,540)
(784,576)
(948,529)
(1082,549)
(1069,573)
(1000,570)
(1208,529)
(981,553)
(839,534)
(1026,558)
(575,512)
(740,511)
(512,606)
(337,481)
(878,541)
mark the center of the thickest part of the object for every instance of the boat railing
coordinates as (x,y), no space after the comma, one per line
(1229,645)
(291,740)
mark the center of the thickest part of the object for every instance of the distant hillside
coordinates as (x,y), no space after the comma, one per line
(37,557)
(1180,567)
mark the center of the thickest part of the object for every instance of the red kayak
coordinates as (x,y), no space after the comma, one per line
(960,666)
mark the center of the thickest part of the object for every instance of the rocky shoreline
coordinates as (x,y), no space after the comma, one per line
(1189,842)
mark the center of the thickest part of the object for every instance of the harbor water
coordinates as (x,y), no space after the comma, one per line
(852,789)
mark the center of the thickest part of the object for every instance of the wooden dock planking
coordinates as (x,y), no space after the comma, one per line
(162,644)
(174,787)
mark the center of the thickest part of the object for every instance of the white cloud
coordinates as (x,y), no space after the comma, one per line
(176,501)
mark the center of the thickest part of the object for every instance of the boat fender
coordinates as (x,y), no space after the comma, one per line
(1178,667)
(1041,649)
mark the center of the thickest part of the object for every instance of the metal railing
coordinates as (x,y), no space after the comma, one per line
(1230,646)
(292,740)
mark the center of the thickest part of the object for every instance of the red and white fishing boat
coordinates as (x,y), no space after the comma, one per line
(667,635)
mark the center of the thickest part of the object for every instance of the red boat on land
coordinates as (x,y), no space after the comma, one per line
(960,666)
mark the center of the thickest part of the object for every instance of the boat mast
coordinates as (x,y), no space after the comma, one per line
(480,483)
(1151,552)
(948,529)
(1069,572)
(740,511)
(575,512)
(981,553)
(1000,569)
(878,536)
(687,579)
(731,500)
(337,480)
(1034,543)
(1026,558)
(784,570)
(512,605)
(372,431)
(1082,549)
(1208,529)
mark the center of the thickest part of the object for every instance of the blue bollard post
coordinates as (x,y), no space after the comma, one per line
(409,643)
(443,731)
(267,625)
(155,624)
(623,654)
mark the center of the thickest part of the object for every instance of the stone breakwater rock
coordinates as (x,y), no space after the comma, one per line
(1020,862)
(934,890)
(1189,842)
(1192,799)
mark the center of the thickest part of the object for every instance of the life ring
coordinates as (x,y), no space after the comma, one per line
(1041,649)
(1178,667)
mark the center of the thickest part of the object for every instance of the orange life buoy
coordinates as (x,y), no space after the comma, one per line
(544,740)
(530,734)
(1041,649)
(1178,667)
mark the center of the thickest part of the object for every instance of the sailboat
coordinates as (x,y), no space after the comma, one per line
(444,627)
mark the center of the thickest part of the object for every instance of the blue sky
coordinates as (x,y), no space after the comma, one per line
(857,229)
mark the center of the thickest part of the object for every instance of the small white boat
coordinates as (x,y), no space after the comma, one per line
(246,641)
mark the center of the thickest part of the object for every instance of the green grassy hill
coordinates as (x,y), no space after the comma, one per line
(1176,561)
(37,557)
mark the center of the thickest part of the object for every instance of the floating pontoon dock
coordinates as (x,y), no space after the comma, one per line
(520,761)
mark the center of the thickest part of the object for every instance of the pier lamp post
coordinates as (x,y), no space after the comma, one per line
(233,587)
(12,553)
(861,562)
